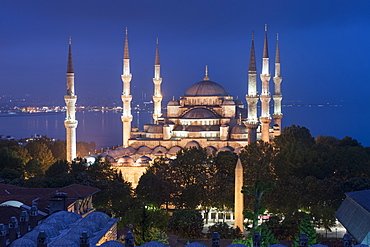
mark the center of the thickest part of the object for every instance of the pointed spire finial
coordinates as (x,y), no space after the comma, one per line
(70,68)
(125,53)
(157,61)
(206,78)
(252,60)
(173,97)
(277,56)
(240,119)
(265,49)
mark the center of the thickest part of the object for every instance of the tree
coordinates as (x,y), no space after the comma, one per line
(259,177)
(33,169)
(58,168)
(307,227)
(40,152)
(223,180)
(10,160)
(186,223)
(58,148)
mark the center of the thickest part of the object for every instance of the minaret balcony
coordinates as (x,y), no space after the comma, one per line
(71,124)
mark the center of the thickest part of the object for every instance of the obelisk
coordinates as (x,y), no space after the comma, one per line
(239,197)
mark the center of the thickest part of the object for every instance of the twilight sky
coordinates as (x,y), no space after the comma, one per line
(324,48)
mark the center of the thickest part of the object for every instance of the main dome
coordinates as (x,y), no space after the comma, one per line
(206,88)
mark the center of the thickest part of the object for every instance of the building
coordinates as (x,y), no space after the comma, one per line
(206,116)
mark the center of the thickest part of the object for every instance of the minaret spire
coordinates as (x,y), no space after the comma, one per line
(252,97)
(126,97)
(265,95)
(157,80)
(278,115)
(70,122)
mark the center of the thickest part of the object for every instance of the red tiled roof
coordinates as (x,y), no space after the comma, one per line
(42,195)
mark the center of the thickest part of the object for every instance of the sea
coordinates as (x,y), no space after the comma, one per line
(105,127)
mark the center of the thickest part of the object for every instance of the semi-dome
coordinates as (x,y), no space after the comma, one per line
(200,113)
(155,128)
(239,129)
(206,88)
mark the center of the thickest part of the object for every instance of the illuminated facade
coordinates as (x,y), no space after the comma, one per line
(205,116)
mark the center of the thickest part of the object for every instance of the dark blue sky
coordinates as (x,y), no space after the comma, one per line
(324,49)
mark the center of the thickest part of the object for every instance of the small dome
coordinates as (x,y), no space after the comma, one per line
(239,245)
(90,159)
(23,242)
(211,150)
(110,159)
(155,128)
(195,244)
(228,102)
(92,226)
(112,244)
(159,150)
(58,224)
(73,236)
(200,113)
(32,235)
(239,129)
(126,151)
(238,102)
(206,88)
(126,160)
(143,160)
(154,244)
(101,219)
(63,242)
(227,148)
(65,216)
(173,150)
(144,150)
(79,229)
(173,103)
(192,144)
(238,150)
(49,229)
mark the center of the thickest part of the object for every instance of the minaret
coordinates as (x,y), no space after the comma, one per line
(252,97)
(239,197)
(126,96)
(265,95)
(157,80)
(278,115)
(70,122)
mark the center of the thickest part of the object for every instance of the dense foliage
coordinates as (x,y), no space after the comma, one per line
(186,223)
(295,176)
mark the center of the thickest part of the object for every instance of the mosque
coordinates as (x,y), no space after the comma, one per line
(206,116)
